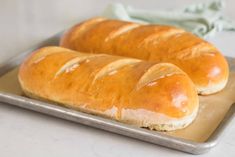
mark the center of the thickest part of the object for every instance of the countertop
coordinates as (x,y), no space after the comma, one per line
(27,133)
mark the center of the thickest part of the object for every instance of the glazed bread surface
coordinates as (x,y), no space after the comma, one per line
(204,64)
(157,96)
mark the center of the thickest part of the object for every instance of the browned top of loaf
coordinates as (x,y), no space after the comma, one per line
(199,59)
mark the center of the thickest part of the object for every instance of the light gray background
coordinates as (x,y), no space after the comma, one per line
(23,23)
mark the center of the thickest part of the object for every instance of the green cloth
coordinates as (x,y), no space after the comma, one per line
(204,19)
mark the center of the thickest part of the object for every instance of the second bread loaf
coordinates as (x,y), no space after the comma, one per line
(204,64)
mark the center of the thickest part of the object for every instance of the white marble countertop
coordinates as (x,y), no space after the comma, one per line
(26,133)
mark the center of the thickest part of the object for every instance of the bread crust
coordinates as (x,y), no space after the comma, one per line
(146,94)
(204,64)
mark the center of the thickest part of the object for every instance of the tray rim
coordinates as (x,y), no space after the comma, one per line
(73,115)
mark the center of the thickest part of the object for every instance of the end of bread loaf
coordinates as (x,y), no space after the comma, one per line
(205,65)
(177,96)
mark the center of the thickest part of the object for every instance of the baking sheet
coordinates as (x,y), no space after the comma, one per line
(212,108)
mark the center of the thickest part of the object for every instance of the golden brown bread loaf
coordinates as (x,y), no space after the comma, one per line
(146,94)
(199,59)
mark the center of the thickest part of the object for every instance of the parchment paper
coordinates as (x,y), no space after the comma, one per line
(212,108)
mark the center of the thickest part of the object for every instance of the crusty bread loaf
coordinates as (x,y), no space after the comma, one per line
(199,59)
(146,94)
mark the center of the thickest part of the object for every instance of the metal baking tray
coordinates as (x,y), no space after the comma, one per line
(154,137)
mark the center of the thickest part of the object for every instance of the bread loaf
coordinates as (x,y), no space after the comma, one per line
(145,94)
(199,59)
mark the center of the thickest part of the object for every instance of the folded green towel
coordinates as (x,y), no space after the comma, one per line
(204,19)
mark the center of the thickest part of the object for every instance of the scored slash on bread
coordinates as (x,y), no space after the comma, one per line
(156,72)
(114,66)
(145,94)
(204,64)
